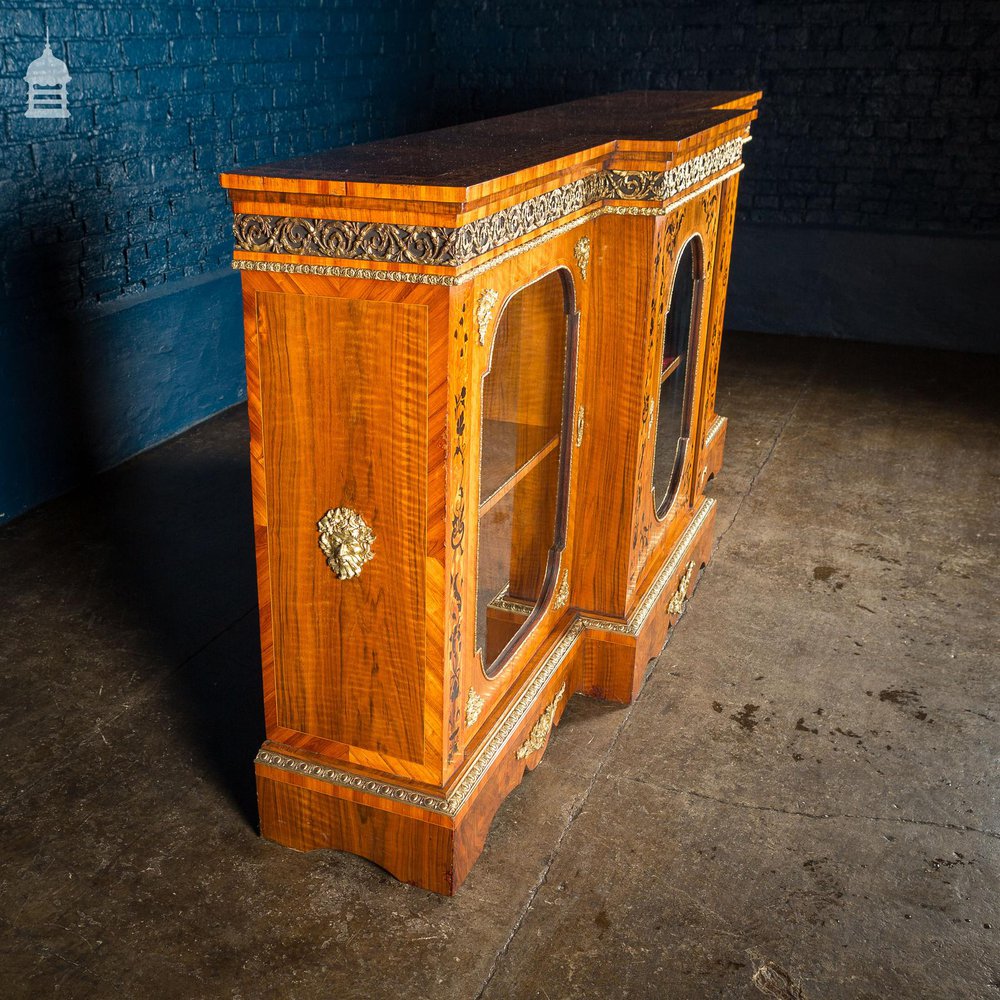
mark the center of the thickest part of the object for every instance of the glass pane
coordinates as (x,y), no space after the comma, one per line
(520,533)
(673,416)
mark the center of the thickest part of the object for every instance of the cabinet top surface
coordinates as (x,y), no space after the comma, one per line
(463,156)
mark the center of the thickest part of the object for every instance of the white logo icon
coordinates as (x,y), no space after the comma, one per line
(46,78)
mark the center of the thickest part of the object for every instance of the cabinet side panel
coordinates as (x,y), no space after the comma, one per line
(344,400)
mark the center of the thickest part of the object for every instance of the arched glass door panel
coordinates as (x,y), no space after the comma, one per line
(521,479)
(673,415)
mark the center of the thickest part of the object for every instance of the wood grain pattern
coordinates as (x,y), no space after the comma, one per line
(472,155)
(386,737)
(614,328)
(655,533)
(350,653)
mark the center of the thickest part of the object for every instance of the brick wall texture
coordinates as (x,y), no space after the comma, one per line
(166,94)
(877,115)
(880,115)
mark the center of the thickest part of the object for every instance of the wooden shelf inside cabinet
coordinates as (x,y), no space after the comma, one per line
(496,481)
(441,564)
(670,365)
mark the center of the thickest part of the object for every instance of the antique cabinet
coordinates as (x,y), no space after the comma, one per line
(481,373)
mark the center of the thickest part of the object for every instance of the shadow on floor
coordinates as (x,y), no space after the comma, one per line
(178,525)
(157,556)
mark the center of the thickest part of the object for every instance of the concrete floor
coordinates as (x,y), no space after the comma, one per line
(805,794)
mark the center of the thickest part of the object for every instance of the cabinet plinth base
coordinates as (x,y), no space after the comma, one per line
(715,443)
(432,839)
(311,816)
(618,653)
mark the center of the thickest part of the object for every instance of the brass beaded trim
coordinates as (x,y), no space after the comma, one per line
(714,429)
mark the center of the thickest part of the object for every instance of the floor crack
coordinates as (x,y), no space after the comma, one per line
(543,876)
(736,804)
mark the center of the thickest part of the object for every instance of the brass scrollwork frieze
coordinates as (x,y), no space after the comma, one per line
(277,265)
(395,243)
(349,240)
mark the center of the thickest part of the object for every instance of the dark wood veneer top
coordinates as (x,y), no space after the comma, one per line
(464,155)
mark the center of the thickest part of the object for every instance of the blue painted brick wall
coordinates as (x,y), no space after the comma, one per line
(120,320)
(166,94)
(879,116)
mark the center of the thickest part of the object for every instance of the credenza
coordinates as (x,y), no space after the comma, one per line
(481,371)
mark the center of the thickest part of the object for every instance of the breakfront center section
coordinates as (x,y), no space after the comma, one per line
(481,370)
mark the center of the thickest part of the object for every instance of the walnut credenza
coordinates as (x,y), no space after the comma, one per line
(481,370)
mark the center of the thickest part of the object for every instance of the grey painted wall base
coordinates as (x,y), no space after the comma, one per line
(925,291)
(81,391)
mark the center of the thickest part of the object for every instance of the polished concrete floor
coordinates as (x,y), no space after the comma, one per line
(803,803)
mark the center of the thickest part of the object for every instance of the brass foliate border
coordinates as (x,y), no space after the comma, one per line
(375,241)
(396,243)
(419,278)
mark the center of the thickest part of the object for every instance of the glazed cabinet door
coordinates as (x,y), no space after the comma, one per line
(673,385)
(676,375)
(524,455)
